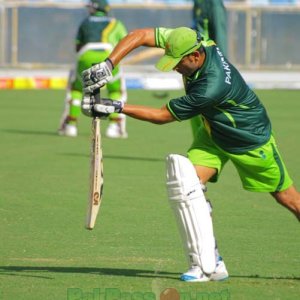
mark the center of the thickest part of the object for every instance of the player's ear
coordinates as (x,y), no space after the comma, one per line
(196,56)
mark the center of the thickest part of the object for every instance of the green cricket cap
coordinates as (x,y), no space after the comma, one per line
(100,5)
(181,42)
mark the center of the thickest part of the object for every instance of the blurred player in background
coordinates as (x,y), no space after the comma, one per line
(235,127)
(209,18)
(96,37)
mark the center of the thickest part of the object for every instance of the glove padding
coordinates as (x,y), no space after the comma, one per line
(103,109)
(96,76)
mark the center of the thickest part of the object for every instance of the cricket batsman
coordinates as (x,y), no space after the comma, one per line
(96,37)
(235,127)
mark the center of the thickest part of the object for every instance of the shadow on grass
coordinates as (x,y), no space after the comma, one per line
(265,277)
(30,132)
(26,271)
(30,271)
(123,157)
(118,157)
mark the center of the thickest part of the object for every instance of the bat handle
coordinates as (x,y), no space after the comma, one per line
(96,94)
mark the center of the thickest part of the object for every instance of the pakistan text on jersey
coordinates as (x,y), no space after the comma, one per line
(100,19)
(225,66)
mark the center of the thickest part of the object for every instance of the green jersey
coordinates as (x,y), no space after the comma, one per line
(99,28)
(233,115)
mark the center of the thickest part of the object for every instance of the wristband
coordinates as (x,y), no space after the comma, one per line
(109,64)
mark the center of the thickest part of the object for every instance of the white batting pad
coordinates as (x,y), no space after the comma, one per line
(187,199)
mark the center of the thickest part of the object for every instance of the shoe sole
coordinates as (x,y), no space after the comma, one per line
(187,278)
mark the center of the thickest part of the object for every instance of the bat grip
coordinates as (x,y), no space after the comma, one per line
(96,94)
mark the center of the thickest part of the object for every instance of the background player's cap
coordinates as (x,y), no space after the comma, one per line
(181,42)
(101,5)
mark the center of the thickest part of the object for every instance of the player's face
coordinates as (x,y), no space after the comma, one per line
(186,66)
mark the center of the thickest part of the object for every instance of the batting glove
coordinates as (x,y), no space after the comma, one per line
(97,76)
(102,109)
(108,106)
(87,104)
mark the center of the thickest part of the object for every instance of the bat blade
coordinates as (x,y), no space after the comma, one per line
(96,175)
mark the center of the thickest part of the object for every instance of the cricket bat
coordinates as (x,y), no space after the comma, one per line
(96,171)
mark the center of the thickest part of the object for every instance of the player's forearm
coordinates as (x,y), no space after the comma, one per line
(149,114)
(135,39)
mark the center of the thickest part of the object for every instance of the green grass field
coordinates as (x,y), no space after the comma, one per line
(134,252)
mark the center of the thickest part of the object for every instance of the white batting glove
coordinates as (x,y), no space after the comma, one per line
(97,76)
(108,106)
(102,109)
(87,104)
